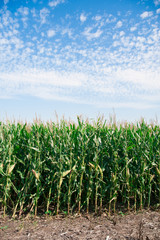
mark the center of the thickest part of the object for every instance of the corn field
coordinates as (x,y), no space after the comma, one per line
(78,167)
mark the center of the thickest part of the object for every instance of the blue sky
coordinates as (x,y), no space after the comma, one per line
(79,57)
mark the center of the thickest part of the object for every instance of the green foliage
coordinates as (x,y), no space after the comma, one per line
(66,167)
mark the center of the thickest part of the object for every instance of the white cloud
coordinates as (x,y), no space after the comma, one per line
(97,18)
(144,79)
(132,29)
(55,3)
(67,31)
(81,71)
(83,18)
(146,14)
(24,20)
(119,24)
(6,19)
(156,2)
(116,43)
(158,11)
(111,19)
(23,10)
(43,84)
(36,77)
(33,11)
(6,1)
(90,35)
(51,33)
(122,33)
(44,14)
(52,94)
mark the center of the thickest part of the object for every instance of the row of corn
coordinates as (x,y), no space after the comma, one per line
(73,167)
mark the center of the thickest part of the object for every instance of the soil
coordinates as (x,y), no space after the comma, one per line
(139,226)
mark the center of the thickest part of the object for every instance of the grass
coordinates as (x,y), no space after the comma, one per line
(67,167)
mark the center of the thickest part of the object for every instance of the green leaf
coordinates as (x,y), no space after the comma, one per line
(5,227)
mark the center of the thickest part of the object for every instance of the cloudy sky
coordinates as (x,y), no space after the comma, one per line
(89,57)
